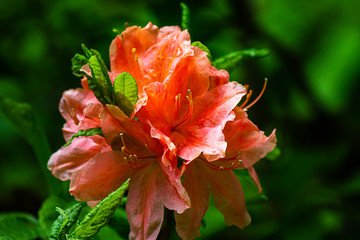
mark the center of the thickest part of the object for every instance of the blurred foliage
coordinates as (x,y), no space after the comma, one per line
(313,188)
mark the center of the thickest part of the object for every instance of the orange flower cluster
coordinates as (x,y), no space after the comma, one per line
(186,124)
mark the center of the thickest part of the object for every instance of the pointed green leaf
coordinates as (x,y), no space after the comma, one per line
(204,48)
(64,222)
(86,133)
(274,154)
(185,19)
(77,62)
(101,214)
(234,59)
(125,92)
(86,50)
(104,71)
(99,73)
(24,119)
(46,214)
(19,226)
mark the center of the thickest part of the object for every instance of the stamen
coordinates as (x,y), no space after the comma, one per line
(124,148)
(73,114)
(234,164)
(188,115)
(191,105)
(248,96)
(261,93)
(177,105)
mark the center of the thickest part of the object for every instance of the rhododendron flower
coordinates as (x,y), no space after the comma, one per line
(173,78)
(80,108)
(185,123)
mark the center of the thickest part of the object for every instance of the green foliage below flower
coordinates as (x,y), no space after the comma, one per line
(99,216)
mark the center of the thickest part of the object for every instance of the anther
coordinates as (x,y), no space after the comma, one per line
(124,146)
(73,114)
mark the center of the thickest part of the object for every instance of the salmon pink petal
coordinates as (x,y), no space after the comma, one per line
(228,197)
(218,77)
(68,160)
(255,178)
(122,46)
(195,183)
(164,31)
(173,193)
(161,59)
(244,136)
(91,116)
(204,132)
(150,189)
(192,73)
(136,136)
(258,150)
(100,176)
(159,107)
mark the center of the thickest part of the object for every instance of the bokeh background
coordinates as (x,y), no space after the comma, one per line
(313,188)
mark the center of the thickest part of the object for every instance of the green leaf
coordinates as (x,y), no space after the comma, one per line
(19,226)
(234,59)
(104,71)
(26,122)
(64,222)
(46,214)
(243,175)
(125,92)
(86,51)
(76,64)
(86,133)
(102,78)
(275,153)
(100,215)
(185,18)
(204,48)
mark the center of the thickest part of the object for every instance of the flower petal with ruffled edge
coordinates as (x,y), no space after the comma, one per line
(68,160)
(100,176)
(150,189)
(224,188)
(246,140)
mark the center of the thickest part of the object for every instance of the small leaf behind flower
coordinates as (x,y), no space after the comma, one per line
(234,59)
(185,18)
(125,92)
(77,62)
(86,133)
(204,48)
(243,175)
(100,215)
(274,154)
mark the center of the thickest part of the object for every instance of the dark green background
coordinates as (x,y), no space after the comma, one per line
(312,98)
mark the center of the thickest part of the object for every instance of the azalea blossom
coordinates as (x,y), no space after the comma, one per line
(80,108)
(186,123)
